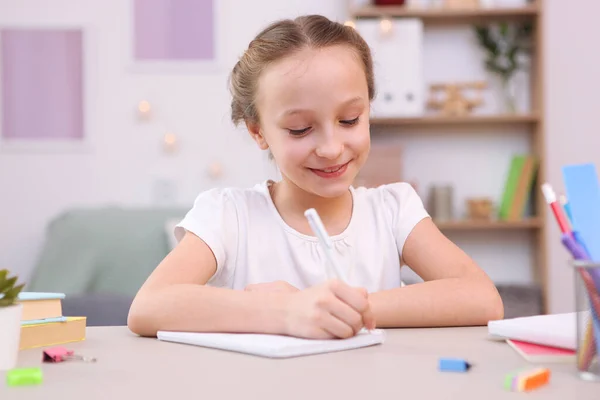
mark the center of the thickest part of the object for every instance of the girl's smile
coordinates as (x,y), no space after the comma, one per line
(332,172)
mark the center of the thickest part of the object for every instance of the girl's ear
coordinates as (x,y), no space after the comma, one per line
(257,135)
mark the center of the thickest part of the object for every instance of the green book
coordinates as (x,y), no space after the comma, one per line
(510,187)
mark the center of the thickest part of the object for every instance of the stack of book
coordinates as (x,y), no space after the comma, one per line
(43,323)
(518,187)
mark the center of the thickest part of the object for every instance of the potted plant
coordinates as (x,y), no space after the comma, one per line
(504,44)
(10,320)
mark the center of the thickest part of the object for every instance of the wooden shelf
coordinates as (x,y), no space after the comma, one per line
(467,225)
(438,14)
(530,123)
(468,120)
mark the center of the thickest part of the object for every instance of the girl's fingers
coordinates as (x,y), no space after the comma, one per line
(349,295)
(346,314)
(336,327)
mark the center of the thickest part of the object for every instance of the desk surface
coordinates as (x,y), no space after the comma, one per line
(130,367)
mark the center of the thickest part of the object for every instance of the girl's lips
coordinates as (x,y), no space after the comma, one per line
(331,172)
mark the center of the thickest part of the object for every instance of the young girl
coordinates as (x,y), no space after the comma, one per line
(247,260)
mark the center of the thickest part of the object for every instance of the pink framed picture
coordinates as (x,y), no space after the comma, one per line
(171,33)
(41,85)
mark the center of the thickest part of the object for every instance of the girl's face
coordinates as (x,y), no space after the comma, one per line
(314,117)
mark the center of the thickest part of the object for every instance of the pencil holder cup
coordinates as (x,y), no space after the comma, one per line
(587,303)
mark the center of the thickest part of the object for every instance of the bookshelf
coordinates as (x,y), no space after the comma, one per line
(462,225)
(532,121)
(474,120)
(439,14)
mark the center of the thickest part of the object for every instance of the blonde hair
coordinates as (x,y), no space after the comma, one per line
(281,39)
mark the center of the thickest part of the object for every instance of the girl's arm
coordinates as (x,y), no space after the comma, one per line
(175,298)
(456,292)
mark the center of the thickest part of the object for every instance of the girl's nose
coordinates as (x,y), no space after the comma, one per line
(329,146)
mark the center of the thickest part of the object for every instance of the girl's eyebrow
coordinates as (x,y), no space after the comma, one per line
(348,102)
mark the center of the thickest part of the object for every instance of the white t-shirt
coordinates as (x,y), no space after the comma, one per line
(253,244)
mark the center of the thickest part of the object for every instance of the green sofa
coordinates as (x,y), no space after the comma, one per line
(100,257)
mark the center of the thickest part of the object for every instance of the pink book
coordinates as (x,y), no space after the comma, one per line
(539,353)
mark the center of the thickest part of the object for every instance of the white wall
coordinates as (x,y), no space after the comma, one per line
(124,160)
(573,121)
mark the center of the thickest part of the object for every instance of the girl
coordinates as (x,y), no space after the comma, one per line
(247,261)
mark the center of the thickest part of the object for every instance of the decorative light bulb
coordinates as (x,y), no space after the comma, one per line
(215,170)
(170,142)
(144,109)
(385,25)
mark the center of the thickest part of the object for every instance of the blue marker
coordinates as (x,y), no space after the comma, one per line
(454,365)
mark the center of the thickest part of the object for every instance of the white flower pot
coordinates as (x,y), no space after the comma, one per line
(10,335)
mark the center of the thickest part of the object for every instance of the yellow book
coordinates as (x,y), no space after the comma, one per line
(52,333)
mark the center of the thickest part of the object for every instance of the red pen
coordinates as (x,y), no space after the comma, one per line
(556,208)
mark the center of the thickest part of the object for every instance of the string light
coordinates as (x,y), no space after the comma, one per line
(215,170)
(170,142)
(144,109)
(385,25)
(351,24)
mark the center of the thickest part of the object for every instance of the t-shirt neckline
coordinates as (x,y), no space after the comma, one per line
(341,236)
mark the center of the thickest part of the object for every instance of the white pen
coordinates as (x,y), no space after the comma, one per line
(319,230)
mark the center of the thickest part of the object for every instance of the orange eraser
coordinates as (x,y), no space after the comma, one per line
(537,378)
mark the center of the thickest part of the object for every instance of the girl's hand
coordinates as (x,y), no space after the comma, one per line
(277,286)
(327,311)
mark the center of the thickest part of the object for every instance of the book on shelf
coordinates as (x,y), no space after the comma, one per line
(43,323)
(518,187)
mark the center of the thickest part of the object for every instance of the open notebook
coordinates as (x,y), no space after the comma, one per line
(273,346)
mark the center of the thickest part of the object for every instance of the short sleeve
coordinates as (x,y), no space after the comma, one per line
(407,210)
(213,218)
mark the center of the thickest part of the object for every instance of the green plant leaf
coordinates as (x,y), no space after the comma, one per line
(485,40)
(6,302)
(10,296)
(502,44)
(492,66)
(504,29)
(3,274)
(7,284)
(14,292)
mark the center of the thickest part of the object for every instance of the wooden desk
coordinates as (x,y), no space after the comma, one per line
(404,367)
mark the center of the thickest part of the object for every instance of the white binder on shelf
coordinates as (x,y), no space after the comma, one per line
(398,65)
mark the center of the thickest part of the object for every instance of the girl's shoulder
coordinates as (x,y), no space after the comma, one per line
(391,194)
(398,202)
(234,198)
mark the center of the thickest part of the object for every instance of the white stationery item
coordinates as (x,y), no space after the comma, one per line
(333,267)
(396,47)
(558,330)
(273,346)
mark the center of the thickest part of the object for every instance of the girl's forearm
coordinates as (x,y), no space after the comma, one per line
(188,307)
(444,302)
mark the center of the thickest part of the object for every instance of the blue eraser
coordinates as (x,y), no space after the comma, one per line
(454,365)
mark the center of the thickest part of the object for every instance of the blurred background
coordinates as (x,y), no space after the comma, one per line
(115,114)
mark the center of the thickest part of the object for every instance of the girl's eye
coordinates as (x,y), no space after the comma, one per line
(350,121)
(298,132)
